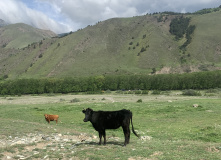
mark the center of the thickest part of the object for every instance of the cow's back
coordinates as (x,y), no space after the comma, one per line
(53,117)
(110,119)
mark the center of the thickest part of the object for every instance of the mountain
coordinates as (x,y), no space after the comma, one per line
(135,45)
(20,35)
(3,23)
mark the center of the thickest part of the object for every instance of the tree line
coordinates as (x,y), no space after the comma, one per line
(198,80)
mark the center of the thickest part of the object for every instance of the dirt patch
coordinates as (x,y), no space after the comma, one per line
(28,99)
(44,146)
(35,145)
(213,149)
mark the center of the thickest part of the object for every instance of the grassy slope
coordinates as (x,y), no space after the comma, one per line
(205,46)
(21,35)
(104,49)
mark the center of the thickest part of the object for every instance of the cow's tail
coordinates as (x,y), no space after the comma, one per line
(133,127)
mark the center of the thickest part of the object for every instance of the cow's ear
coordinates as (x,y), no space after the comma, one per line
(83,110)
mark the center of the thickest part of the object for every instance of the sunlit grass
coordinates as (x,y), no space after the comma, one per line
(173,127)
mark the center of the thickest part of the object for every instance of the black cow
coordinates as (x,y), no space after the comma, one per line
(102,120)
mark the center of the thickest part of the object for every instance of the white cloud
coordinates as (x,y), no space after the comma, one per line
(66,15)
(14,11)
(87,12)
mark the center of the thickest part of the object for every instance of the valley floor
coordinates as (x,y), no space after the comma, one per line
(169,126)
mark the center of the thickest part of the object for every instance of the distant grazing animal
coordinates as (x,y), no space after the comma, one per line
(49,118)
(102,120)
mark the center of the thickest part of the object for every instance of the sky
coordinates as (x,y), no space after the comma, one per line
(61,16)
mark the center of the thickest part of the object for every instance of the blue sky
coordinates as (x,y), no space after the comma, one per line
(70,15)
(44,7)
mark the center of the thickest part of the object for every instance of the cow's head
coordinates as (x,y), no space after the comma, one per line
(46,115)
(88,114)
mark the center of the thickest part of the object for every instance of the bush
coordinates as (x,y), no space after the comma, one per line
(139,101)
(120,92)
(145,92)
(62,100)
(138,92)
(75,100)
(94,92)
(191,92)
(130,92)
(108,91)
(143,49)
(212,91)
(156,92)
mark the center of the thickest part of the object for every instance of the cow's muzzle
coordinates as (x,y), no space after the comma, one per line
(85,120)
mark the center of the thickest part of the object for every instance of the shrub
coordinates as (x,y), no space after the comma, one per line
(156,92)
(191,92)
(40,56)
(120,92)
(145,92)
(130,92)
(143,49)
(108,91)
(212,91)
(94,92)
(138,92)
(139,101)
(5,76)
(62,100)
(75,100)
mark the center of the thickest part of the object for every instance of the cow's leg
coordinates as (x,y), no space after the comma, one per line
(128,135)
(100,136)
(49,121)
(126,130)
(104,135)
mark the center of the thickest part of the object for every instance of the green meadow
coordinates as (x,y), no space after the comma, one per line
(168,124)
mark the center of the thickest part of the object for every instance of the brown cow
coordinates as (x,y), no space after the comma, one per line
(49,118)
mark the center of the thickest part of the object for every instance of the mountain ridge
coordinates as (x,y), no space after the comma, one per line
(134,45)
(19,35)
(3,23)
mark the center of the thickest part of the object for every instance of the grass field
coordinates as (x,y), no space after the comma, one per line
(169,126)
